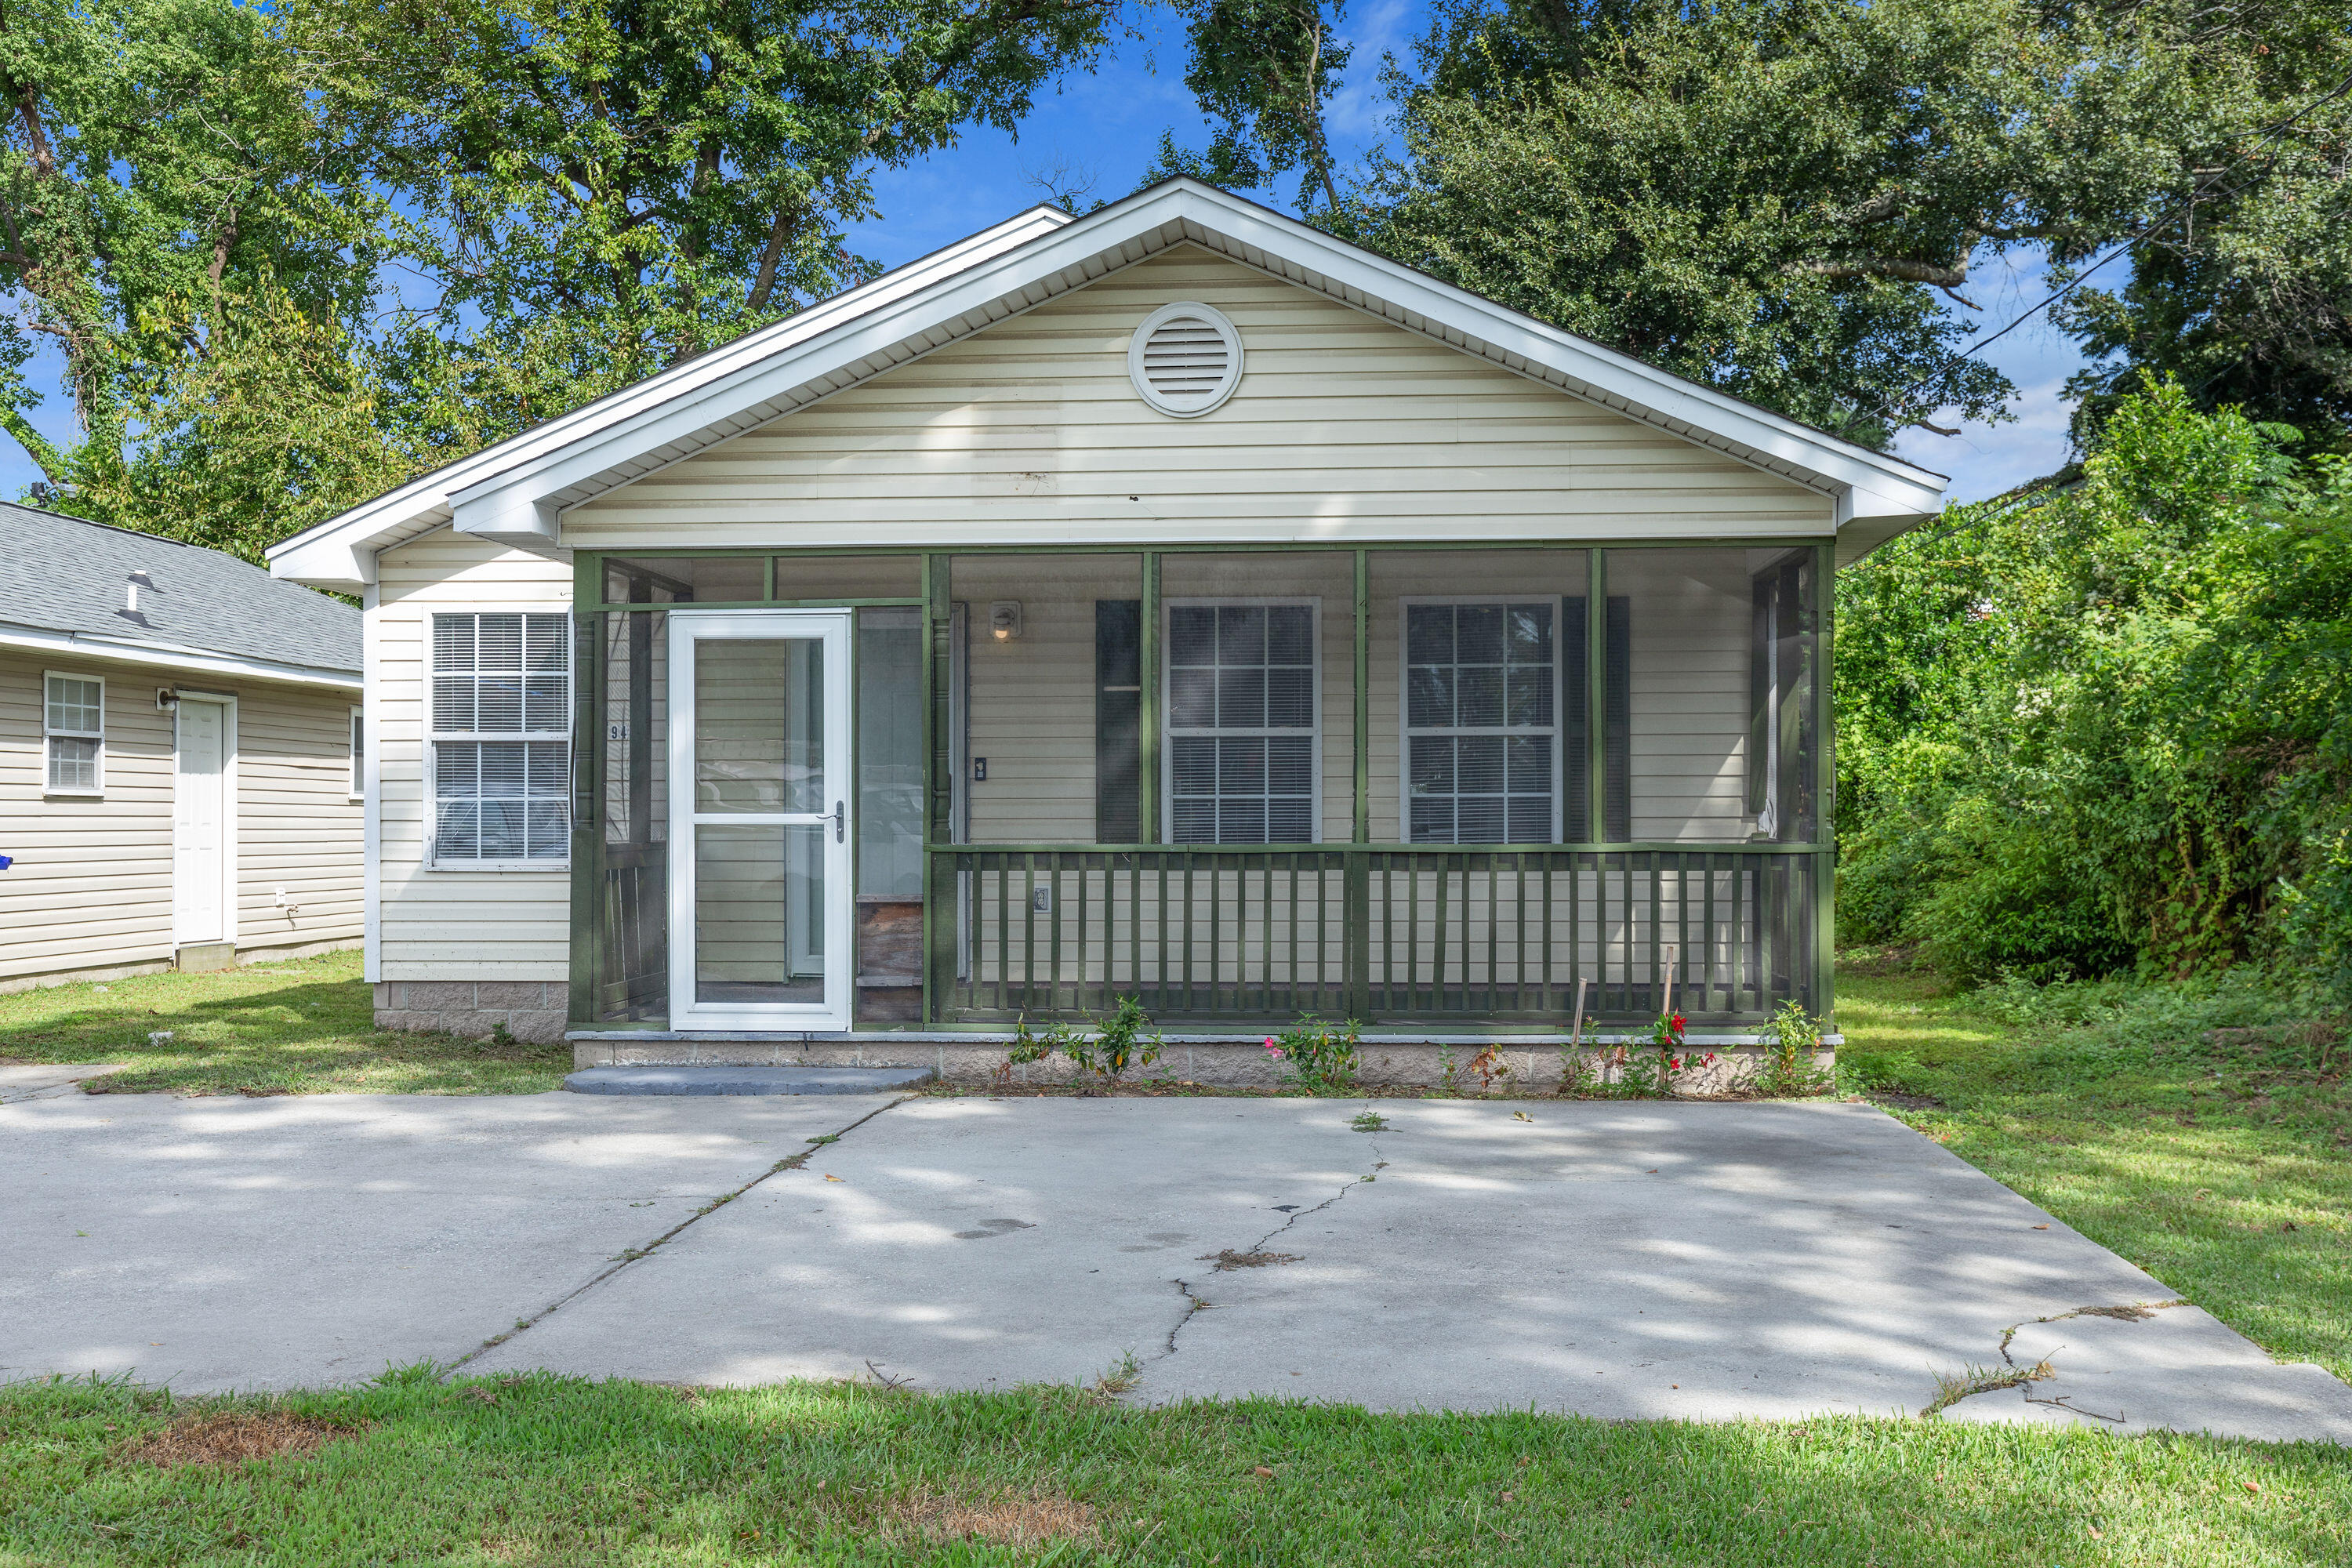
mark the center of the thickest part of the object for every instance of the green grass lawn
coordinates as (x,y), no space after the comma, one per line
(2224,1169)
(545,1470)
(304,1028)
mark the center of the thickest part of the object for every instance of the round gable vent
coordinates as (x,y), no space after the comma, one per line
(1186,359)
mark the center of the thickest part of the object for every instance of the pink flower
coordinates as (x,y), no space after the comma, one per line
(1272,1048)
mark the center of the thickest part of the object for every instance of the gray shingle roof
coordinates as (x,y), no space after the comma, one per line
(67,575)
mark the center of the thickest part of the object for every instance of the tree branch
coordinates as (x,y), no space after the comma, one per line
(1885,267)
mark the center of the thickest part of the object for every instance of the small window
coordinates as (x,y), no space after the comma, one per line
(359,754)
(501,738)
(1242,720)
(1481,730)
(75,722)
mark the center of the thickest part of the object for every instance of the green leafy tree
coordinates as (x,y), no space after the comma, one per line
(591,193)
(1776,197)
(161,173)
(1266,70)
(2238,278)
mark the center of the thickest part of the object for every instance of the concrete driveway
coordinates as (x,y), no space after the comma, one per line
(1622,1260)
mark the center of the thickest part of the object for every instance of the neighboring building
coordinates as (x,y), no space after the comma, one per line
(1174,602)
(178,744)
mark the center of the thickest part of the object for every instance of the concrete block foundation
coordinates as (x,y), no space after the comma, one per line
(977,1061)
(530,1009)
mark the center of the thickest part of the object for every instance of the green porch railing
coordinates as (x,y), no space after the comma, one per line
(1377,932)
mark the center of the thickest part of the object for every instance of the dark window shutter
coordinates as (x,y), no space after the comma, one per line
(1759,694)
(1617,720)
(1118,712)
(1788,705)
(1575,730)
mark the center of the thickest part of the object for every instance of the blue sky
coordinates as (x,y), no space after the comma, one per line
(1103,128)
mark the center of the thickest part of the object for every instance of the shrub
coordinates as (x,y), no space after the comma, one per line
(1791,1037)
(1113,1048)
(1318,1056)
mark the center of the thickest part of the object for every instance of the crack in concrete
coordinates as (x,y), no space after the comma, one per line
(2024,1378)
(2129,1309)
(1193,1304)
(629,1254)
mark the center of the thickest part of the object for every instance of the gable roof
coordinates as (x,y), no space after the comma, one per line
(62,587)
(515,493)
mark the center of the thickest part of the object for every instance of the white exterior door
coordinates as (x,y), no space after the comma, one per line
(762,903)
(200,825)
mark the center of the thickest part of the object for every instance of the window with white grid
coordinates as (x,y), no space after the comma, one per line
(1240,724)
(74,720)
(501,738)
(1482,740)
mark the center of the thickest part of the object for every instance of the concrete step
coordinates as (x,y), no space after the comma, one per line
(746,1080)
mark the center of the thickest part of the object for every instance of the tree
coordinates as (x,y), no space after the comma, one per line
(1265,69)
(602,190)
(2238,278)
(1776,198)
(159,160)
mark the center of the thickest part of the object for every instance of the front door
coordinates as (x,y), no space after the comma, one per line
(760,898)
(200,830)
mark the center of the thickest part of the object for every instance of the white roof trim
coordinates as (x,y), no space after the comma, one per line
(515,493)
(80,645)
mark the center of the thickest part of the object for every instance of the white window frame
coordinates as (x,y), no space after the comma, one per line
(358,728)
(1405,730)
(49,733)
(434,739)
(1169,729)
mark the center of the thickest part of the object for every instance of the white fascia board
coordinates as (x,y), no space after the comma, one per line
(339,553)
(32,639)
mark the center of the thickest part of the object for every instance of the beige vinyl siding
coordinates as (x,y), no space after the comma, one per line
(91,889)
(446,924)
(1689,642)
(1031,432)
(298,827)
(1031,710)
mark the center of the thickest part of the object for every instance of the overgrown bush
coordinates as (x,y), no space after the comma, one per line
(2109,729)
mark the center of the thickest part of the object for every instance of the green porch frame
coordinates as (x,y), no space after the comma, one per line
(1242,936)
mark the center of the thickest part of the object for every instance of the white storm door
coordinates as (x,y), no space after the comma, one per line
(200,825)
(761,900)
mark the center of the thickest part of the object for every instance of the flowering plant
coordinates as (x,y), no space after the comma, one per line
(1667,1034)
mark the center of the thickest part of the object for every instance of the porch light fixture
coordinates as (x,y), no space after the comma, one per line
(1004,620)
(1185,360)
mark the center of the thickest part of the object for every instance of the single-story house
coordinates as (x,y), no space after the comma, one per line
(1175,603)
(179,736)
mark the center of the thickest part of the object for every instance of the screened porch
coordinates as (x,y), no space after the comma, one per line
(1454,787)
